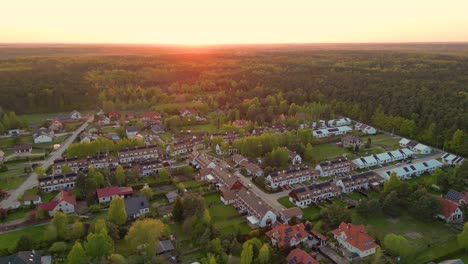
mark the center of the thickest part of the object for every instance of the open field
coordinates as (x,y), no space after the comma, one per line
(9,239)
(225,217)
(201,128)
(324,152)
(11,183)
(285,202)
(38,118)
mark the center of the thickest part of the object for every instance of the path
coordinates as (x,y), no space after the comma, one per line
(31,181)
(14,155)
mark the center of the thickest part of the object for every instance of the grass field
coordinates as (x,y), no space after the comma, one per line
(11,183)
(13,141)
(12,172)
(38,118)
(200,128)
(9,239)
(225,217)
(429,239)
(285,202)
(324,152)
(312,212)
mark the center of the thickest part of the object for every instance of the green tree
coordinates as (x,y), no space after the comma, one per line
(24,243)
(264,254)
(117,213)
(456,142)
(60,222)
(392,184)
(144,235)
(120,175)
(390,204)
(77,254)
(78,230)
(462,238)
(334,215)
(58,248)
(397,245)
(147,192)
(117,259)
(99,246)
(178,210)
(309,153)
(212,260)
(39,171)
(247,254)
(50,234)
(368,207)
(194,205)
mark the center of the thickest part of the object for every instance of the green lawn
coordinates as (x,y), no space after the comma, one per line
(383,140)
(9,239)
(12,172)
(11,183)
(355,196)
(430,239)
(192,184)
(225,217)
(17,214)
(312,212)
(48,196)
(201,128)
(324,152)
(38,118)
(211,198)
(13,141)
(285,202)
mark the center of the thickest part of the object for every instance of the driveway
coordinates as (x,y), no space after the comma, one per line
(31,181)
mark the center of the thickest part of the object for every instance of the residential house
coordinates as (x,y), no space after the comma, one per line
(450,159)
(351,141)
(382,158)
(239,123)
(43,135)
(57,182)
(164,246)
(334,167)
(291,176)
(365,129)
(25,148)
(149,167)
(345,121)
(75,115)
(355,239)
(185,112)
(136,207)
(299,256)
(461,198)
(362,181)
(239,159)
(415,169)
(200,160)
(294,158)
(76,165)
(450,211)
(55,125)
(258,212)
(321,240)
(148,116)
(32,199)
(415,146)
(131,132)
(27,257)
(252,169)
(141,153)
(113,115)
(231,149)
(158,128)
(172,196)
(327,132)
(94,129)
(64,202)
(87,137)
(221,177)
(314,193)
(287,214)
(185,146)
(286,236)
(14,132)
(105,195)
(103,120)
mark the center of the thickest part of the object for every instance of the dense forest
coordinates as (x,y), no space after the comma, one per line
(422,94)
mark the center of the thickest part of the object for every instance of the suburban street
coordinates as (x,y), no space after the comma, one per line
(31,181)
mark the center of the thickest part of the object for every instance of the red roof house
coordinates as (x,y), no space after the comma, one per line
(64,202)
(299,256)
(113,115)
(450,211)
(239,123)
(355,239)
(150,115)
(106,195)
(285,235)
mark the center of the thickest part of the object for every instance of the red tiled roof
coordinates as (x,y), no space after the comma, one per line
(317,234)
(108,191)
(66,196)
(125,190)
(151,114)
(448,207)
(299,256)
(291,212)
(49,206)
(356,236)
(284,233)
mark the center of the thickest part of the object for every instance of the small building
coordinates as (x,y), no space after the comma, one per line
(294,158)
(460,198)
(14,132)
(56,125)
(291,176)
(32,199)
(335,131)
(172,196)
(345,121)
(75,115)
(131,132)
(148,116)
(286,236)
(43,135)
(355,239)
(239,123)
(299,256)
(25,148)
(27,257)
(351,141)
(158,128)
(415,146)
(365,129)
(314,193)
(450,159)
(113,115)
(105,195)
(252,169)
(239,159)
(136,207)
(288,213)
(362,181)
(450,211)
(412,170)
(64,202)
(164,246)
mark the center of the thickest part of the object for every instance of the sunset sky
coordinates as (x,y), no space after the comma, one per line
(235,21)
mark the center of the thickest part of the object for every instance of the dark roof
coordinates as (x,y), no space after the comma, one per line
(23,257)
(23,147)
(133,205)
(164,246)
(132,129)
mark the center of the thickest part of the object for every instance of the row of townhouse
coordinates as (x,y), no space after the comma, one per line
(57,182)
(365,129)
(150,167)
(259,213)
(76,165)
(345,121)
(231,149)
(415,169)
(252,169)
(335,131)
(383,158)
(221,178)
(185,146)
(333,167)
(200,160)
(450,159)
(147,152)
(415,146)
(314,193)
(291,176)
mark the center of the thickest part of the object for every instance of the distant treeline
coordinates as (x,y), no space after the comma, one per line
(422,95)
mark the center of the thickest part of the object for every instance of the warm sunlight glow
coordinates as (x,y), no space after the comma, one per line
(241,21)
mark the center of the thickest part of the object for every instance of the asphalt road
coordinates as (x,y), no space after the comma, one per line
(31,181)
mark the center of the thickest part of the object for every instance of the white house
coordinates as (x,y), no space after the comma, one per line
(75,115)
(14,132)
(382,158)
(294,158)
(355,239)
(409,170)
(330,168)
(43,135)
(291,176)
(64,202)
(450,159)
(365,129)
(131,132)
(335,131)
(450,211)
(415,146)
(339,122)
(361,181)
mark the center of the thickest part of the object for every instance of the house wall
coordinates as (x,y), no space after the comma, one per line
(43,139)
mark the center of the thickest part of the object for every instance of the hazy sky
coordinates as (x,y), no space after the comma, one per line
(233,21)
